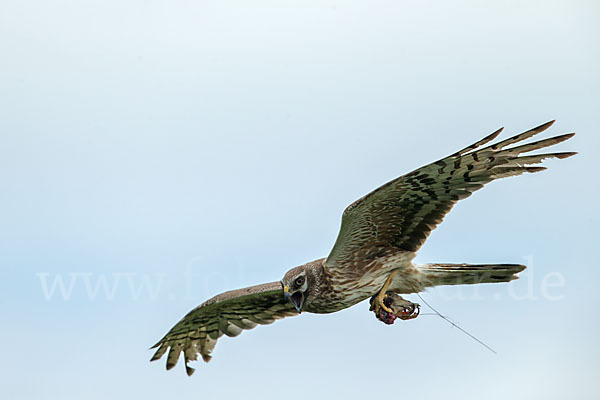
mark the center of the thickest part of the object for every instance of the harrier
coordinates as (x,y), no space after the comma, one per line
(372,256)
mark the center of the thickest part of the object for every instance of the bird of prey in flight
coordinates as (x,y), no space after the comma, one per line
(372,256)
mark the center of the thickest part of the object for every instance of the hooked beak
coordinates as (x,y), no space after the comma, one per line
(296,298)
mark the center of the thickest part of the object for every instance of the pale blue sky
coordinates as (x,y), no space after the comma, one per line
(143,139)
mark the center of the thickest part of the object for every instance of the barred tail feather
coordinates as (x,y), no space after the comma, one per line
(467,274)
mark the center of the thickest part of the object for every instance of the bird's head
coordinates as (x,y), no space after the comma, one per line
(297,286)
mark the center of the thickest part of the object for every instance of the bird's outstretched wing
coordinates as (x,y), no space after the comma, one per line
(228,313)
(399,215)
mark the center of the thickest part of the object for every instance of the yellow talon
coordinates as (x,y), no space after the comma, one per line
(378,302)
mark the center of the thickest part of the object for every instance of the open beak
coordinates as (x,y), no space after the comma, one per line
(296,298)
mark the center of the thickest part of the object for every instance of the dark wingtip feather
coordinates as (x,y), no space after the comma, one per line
(534,169)
(158,353)
(206,357)
(189,370)
(544,126)
(492,135)
(566,136)
(156,345)
(566,154)
(479,143)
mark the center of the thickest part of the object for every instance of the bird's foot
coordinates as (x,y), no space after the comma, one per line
(392,306)
(378,302)
(380,306)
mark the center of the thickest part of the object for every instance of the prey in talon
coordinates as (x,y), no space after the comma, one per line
(398,308)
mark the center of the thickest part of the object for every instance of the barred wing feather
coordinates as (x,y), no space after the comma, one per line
(400,215)
(228,313)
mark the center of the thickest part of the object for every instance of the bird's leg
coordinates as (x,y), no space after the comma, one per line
(377,302)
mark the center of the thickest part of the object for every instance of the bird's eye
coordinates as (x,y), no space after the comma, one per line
(300,281)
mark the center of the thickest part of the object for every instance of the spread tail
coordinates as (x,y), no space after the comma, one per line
(466,274)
